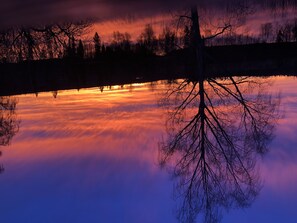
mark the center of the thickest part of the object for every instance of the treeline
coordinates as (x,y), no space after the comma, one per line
(147,44)
(280,33)
(64,41)
(268,33)
(39,42)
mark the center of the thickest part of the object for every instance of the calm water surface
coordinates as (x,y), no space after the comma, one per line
(92,156)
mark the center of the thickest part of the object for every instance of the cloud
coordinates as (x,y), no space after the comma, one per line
(31,12)
(19,12)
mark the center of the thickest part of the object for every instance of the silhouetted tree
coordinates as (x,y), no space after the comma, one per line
(97,45)
(266,32)
(225,19)
(9,125)
(72,46)
(8,120)
(287,31)
(20,56)
(70,50)
(187,41)
(80,50)
(121,42)
(88,50)
(215,134)
(29,44)
(43,54)
(147,41)
(50,46)
(32,40)
(294,31)
(280,37)
(103,49)
(168,40)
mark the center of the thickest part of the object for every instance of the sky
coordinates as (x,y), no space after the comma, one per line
(130,15)
(28,12)
(19,12)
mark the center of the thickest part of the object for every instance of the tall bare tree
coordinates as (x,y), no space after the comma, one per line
(216,130)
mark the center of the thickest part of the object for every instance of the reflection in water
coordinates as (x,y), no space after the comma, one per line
(1,166)
(216,129)
(55,94)
(9,124)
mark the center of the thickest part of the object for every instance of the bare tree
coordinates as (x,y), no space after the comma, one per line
(121,42)
(168,40)
(97,45)
(229,16)
(9,124)
(294,30)
(29,42)
(267,32)
(147,40)
(80,50)
(216,129)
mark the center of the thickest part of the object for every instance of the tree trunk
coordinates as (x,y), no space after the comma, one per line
(198,44)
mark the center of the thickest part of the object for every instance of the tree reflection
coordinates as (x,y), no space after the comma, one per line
(9,125)
(216,129)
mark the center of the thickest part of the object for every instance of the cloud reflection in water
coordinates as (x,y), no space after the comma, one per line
(89,157)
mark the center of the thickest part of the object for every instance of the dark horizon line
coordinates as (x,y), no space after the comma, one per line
(220,61)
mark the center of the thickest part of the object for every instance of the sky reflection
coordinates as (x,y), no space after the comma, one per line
(278,168)
(84,157)
(88,156)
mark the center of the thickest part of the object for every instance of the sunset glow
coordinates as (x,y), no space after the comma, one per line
(148,111)
(87,134)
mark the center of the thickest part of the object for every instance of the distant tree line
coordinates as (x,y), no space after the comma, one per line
(64,41)
(147,44)
(286,32)
(40,42)
(268,33)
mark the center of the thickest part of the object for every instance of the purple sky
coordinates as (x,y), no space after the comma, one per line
(19,12)
(27,12)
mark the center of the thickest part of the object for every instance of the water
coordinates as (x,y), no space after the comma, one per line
(92,156)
